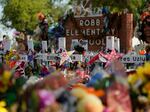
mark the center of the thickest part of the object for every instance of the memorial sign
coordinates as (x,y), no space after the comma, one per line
(86,28)
(133,59)
(95,28)
(77,57)
(52,57)
(23,57)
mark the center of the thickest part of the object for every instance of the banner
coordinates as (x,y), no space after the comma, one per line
(133,59)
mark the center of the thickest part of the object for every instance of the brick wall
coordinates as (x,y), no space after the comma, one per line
(126,32)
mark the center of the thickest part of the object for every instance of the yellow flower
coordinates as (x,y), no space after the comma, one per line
(140,70)
(146,88)
(142,77)
(7,59)
(2,104)
(2,107)
(6,77)
(147,68)
(9,56)
(140,73)
(132,78)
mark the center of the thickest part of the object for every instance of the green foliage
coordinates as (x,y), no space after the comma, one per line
(137,7)
(22,14)
(134,6)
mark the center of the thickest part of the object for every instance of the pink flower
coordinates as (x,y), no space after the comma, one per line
(46,98)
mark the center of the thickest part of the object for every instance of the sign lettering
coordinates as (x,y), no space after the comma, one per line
(133,59)
(23,57)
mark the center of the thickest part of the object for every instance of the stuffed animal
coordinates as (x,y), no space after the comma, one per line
(140,49)
(43,25)
(87,102)
(55,81)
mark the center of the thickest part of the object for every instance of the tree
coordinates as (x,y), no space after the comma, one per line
(137,7)
(115,6)
(22,14)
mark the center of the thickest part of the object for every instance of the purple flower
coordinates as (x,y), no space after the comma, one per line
(46,98)
(106,110)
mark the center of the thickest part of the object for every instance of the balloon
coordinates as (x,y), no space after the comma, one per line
(144,15)
(30,58)
(56,31)
(97,76)
(105,10)
(12,64)
(94,79)
(142,52)
(41,16)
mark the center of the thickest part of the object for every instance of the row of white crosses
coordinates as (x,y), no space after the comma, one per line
(7,45)
(112,43)
(50,57)
(31,45)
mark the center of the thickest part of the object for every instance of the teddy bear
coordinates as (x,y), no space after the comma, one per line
(87,102)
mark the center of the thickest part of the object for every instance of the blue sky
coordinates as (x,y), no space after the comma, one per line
(3,29)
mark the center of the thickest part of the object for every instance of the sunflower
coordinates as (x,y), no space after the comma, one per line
(2,106)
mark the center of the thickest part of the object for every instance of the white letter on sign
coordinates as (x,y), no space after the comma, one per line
(97,22)
(81,22)
(87,23)
(67,32)
(92,22)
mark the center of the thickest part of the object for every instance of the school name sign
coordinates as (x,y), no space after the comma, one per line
(87,26)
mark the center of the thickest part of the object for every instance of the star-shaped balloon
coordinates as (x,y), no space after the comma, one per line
(66,56)
(111,57)
(92,60)
(97,57)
